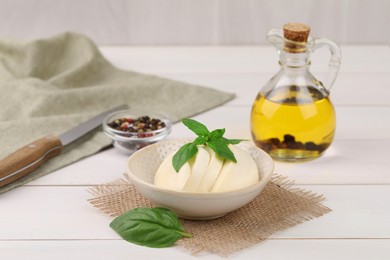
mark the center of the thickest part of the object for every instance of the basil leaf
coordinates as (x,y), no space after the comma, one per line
(214,140)
(233,141)
(196,127)
(201,140)
(217,133)
(152,227)
(185,153)
(220,147)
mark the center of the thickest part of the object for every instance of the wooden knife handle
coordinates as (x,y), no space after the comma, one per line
(28,158)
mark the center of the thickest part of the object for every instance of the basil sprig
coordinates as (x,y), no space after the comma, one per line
(152,227)
(213,139)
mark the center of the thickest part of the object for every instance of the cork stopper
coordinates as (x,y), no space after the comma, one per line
(298,33)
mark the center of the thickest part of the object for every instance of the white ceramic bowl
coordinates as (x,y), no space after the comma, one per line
(143,164)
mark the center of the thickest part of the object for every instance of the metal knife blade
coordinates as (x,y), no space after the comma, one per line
(80,130)
(32,156)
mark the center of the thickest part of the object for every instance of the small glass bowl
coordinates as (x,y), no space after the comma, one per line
(130,142)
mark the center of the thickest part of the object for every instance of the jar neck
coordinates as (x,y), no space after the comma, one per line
(290,60)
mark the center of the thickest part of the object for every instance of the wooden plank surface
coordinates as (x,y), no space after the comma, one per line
(63,212)
(358,249)
(51,218)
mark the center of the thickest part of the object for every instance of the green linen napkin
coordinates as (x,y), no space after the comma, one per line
(50,85)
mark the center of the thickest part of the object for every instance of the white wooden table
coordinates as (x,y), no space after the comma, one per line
(50,218)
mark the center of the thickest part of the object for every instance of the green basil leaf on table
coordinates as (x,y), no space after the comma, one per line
(151,227)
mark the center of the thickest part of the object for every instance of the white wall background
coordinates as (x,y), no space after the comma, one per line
(194,22)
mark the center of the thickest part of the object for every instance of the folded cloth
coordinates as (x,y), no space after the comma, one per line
(51,85)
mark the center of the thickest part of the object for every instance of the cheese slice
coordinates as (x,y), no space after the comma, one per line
(212,172)
(198,164)
(167,178)
(234,176)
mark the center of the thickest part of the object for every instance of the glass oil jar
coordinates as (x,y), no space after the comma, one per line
(292,117)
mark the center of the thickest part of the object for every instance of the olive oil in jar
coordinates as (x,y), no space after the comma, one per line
(293,123)
(292,117)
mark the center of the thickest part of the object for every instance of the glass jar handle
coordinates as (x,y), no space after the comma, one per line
(275,36)
(335,59)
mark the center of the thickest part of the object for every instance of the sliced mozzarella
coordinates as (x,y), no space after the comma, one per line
(212,172)
(166,177)
(199,165)
(234,176)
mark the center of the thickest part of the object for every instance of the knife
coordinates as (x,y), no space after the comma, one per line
(33,155)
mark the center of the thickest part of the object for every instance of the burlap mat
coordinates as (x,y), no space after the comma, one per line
(278,207)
